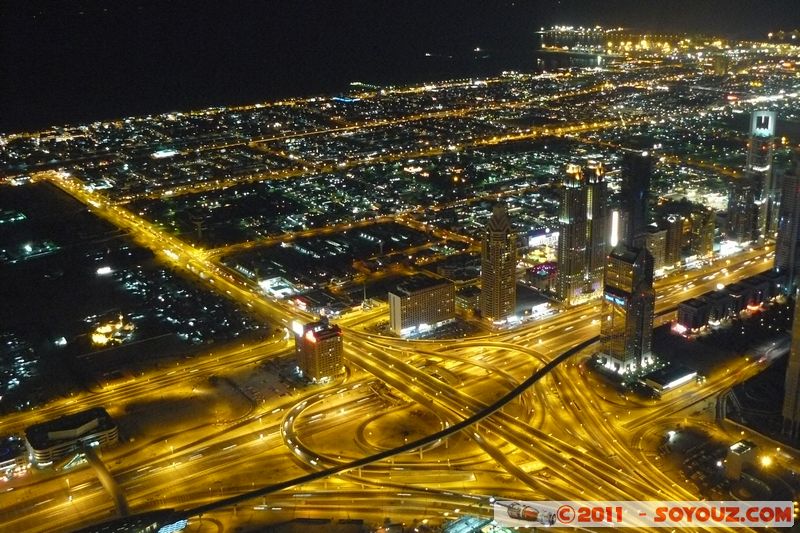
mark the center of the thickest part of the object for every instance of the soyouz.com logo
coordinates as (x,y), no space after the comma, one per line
(644,513)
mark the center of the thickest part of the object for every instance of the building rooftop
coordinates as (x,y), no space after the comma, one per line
(624,253)
(44,435)
(695,303)
(418,283)
(671,376)
(742,447)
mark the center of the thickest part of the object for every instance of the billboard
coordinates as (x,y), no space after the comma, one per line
(762,124)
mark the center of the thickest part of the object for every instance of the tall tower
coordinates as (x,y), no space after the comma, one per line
(599,224)
(759,169)
(572,236)
(582,238)
(674,239)
(791,396)
(626,323)
(787,244)
(498,267)
(744,208)
(637,171)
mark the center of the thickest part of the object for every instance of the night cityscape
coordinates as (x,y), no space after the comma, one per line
(399,268)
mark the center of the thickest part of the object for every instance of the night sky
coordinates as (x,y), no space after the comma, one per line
(81,60)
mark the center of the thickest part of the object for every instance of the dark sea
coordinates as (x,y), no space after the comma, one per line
(74,61)
(103,60)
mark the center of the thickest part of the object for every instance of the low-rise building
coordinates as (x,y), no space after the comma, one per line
(52,440)
(468,298)
(421,303)
(692,314)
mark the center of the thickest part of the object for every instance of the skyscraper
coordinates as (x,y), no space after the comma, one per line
(637,170)
(498,267)
(703,232)
(656,242)
(759,169)
(787,244)
(674,240)
(599,223)
(744,209)
(583,229)
(626,323)
(791,395)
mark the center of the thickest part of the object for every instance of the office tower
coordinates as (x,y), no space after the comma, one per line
(787,244)
(656,243)
(572,236)
(674,245)
(498,267)
(743,209)
(598,224)
(626,324)
(759,169)
(637,170)
(421,303)
(318,349)
(791,395)
(583,228)
(703,232)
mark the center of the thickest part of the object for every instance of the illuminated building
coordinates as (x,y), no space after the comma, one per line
(468,299)
(703,227)
(674,244)
(743,209)
(787,243)
(791,395)
(759,169)
(626,317)
(420,304)
(656,242)
(583,239)
(740,454)
(318,348)
(498,267)
(669,378)
(50,441)
(626,322)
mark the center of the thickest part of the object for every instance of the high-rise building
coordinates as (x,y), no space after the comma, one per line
(743,209)
(656,242)
(626,324)
(787,244)
(318,349)
(759,168)
(674,244)
(498,267)
(572,233)
(583,233)
(637,171)
(703,226)
(599,222)
(791,397)
(421,303)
